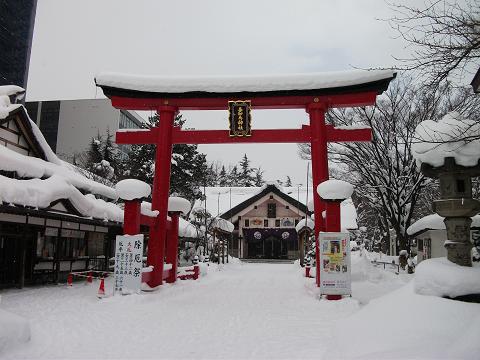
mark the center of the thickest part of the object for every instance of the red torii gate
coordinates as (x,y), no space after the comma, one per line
(315,93)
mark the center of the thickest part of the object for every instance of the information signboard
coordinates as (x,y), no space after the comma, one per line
(128,263)
(335,264)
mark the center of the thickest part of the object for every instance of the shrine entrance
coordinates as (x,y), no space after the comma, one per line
(316,93)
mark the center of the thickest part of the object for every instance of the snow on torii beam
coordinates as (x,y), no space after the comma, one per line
(315,93)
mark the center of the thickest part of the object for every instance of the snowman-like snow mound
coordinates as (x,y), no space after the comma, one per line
(452,136)
(178,204)
(335,190)
(130,189)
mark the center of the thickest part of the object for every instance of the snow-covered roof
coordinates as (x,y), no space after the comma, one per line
(452,136)
(434,222)
(221,199)
(235,84)
(32,167)
(222,224)
(38,193)
(335,189)
(308,222)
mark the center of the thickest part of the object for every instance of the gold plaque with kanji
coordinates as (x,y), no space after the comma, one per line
(240,118)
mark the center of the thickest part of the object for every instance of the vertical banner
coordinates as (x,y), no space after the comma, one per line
(335,264)
(240,118)
(128,263)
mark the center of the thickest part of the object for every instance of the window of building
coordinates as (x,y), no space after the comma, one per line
(126,122)
(277,222)
(255,207)
(287,207)
(265,223)
(272,210)
(246,223)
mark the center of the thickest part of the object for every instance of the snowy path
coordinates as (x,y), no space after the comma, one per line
(243,311)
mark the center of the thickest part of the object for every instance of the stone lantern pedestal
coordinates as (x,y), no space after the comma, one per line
(456,205)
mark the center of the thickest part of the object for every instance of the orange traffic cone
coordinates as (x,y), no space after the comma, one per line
(70,280)
(89,277)
(101,288)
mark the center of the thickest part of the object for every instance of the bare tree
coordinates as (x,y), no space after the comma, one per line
(390,190)
(444,35)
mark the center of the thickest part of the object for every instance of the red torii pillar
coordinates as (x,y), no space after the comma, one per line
(161,136)
(319,155)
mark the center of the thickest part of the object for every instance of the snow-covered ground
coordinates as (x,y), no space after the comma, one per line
(245,310)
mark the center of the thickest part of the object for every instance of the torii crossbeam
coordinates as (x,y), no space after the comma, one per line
(316,93)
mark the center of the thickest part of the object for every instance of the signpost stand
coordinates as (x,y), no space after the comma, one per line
(128,263)
(335,265)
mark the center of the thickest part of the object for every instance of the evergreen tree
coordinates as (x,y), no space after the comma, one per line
(258,177)
(288,182)
(222,177)
(233,177)
(189,168)
(245,176)
(94,153)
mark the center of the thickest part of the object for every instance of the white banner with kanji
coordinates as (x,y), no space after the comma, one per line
(335,264)
(128,263)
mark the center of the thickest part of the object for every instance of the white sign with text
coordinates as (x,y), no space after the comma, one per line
(128,263)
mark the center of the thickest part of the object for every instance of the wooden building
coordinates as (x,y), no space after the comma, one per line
(53,219)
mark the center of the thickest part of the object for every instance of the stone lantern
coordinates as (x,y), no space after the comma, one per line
(456,205)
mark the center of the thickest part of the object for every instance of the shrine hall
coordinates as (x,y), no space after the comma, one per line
(265,218)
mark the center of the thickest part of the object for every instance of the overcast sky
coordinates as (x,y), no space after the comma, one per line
(74,40)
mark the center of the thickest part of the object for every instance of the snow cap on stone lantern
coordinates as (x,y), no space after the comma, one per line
(452,136)
(335,190)
(132,189)
(178,204)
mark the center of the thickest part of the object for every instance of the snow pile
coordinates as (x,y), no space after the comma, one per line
(14,329)
(146,209)
(435,222)
(178,204)
(305,223)
(441,277)
(222,224)
(335,190)
(130,189)
(452,136)
(404,325)
(241,83)
(364,270)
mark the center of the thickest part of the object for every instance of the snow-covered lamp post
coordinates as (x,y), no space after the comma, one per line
(176,206)
(132,191)
(448,150)
(333,192)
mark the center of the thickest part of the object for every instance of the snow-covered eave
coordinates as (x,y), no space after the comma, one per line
(32,167)
(41,194)
(434,222)
(128,85)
